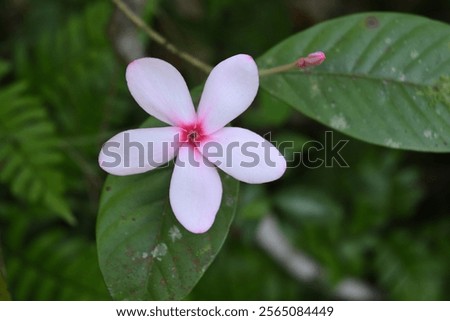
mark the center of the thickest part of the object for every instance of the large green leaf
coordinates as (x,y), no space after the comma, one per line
(386,79)
(144,253)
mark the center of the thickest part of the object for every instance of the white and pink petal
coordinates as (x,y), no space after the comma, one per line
(139,150)
(195,191)
(244,155)
(229,90)
(160,90)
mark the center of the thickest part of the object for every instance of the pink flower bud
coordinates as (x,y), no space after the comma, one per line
(313,59)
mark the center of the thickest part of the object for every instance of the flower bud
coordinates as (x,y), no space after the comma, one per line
(313,59)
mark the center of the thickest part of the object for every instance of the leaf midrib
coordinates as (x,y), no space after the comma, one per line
(358,76)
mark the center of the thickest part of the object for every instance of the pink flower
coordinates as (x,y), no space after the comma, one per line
(198,139)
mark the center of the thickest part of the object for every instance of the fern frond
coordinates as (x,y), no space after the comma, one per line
(80,71)
(29,155)
(52,265)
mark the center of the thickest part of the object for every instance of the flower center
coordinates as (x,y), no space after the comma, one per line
(192,134)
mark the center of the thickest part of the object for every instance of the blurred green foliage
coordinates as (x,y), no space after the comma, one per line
(383,220)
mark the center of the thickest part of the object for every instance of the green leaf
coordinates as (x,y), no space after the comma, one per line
(59,205)
(144,253)
(386,79)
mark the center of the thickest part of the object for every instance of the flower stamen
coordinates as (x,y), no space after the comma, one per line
(192,134)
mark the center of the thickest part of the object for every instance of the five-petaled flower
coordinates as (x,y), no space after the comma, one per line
(195,189)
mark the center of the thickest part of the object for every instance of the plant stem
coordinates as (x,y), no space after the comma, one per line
(155,36)
(277,69)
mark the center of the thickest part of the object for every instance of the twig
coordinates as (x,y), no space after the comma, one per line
(155,36)
(277,69)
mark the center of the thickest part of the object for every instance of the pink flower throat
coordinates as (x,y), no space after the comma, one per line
(192,134)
